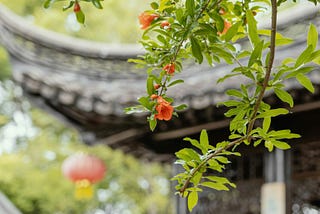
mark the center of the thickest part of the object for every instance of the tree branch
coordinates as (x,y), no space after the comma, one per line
(257,104)
(212,155)
(269,66)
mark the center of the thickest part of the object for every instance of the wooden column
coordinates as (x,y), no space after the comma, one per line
(276,170)
(180,203)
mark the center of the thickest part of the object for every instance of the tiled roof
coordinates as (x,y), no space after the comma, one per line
(91,83)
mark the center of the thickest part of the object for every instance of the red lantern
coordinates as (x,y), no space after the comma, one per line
(83,170)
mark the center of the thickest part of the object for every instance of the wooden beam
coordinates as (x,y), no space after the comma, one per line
(190,130)
(220,124)
(120,137)
(306,107)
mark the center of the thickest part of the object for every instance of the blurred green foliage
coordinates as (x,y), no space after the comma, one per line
(31,176)
(5,71)
(30,166)
(116,23)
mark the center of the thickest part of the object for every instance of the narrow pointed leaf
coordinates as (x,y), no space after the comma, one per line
(214,185)
(273,113)
(312,36)
(80,17)
(204,141)
(192,200)
(190,6)
(284,96)
(196,49)
(304,56)
(252,28)
(305,82)
(281,145)
(232,31)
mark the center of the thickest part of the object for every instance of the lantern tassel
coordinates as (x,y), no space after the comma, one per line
(83,189)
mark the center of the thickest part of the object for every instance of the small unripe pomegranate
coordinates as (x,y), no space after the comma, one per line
(76,7)
(222,11)
(154,96)
(156,86)
(165,24)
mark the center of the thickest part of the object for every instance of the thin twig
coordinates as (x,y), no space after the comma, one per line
(209,157)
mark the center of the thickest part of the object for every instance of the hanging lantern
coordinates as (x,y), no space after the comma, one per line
(83,170)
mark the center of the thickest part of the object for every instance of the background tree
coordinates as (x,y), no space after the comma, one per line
(31,176)
(111,24)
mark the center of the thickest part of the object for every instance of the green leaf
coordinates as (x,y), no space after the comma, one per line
(284,96)
(68,6)
(214,185)
(128,110)
(175,82)
(97,4)
(283,134)
(305,82)
(273,113)
(268,145)
(233,111)
(230,103)
(256,53)
(196,49)
(190,7)
(239,123)
(281,145)
(163,5)
(243,53)
(213,164)
(204,141)
(266,124)
(252,28)
(312,36)
(152,124)
(218,20)
(233,30)
(218,179)
(80,16)
(48,3)
(179,15)
(144,101)
(188,154)
(221,51)
(194,142)
(280,39)
(196,179)
(222,180)
(234,136)
(222,159)
(180,107)
(284,41)
(301,70)
(304,56)
(150,88)
(234,93)
(192,200)
(227,76)
(154,5)
(256,143)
